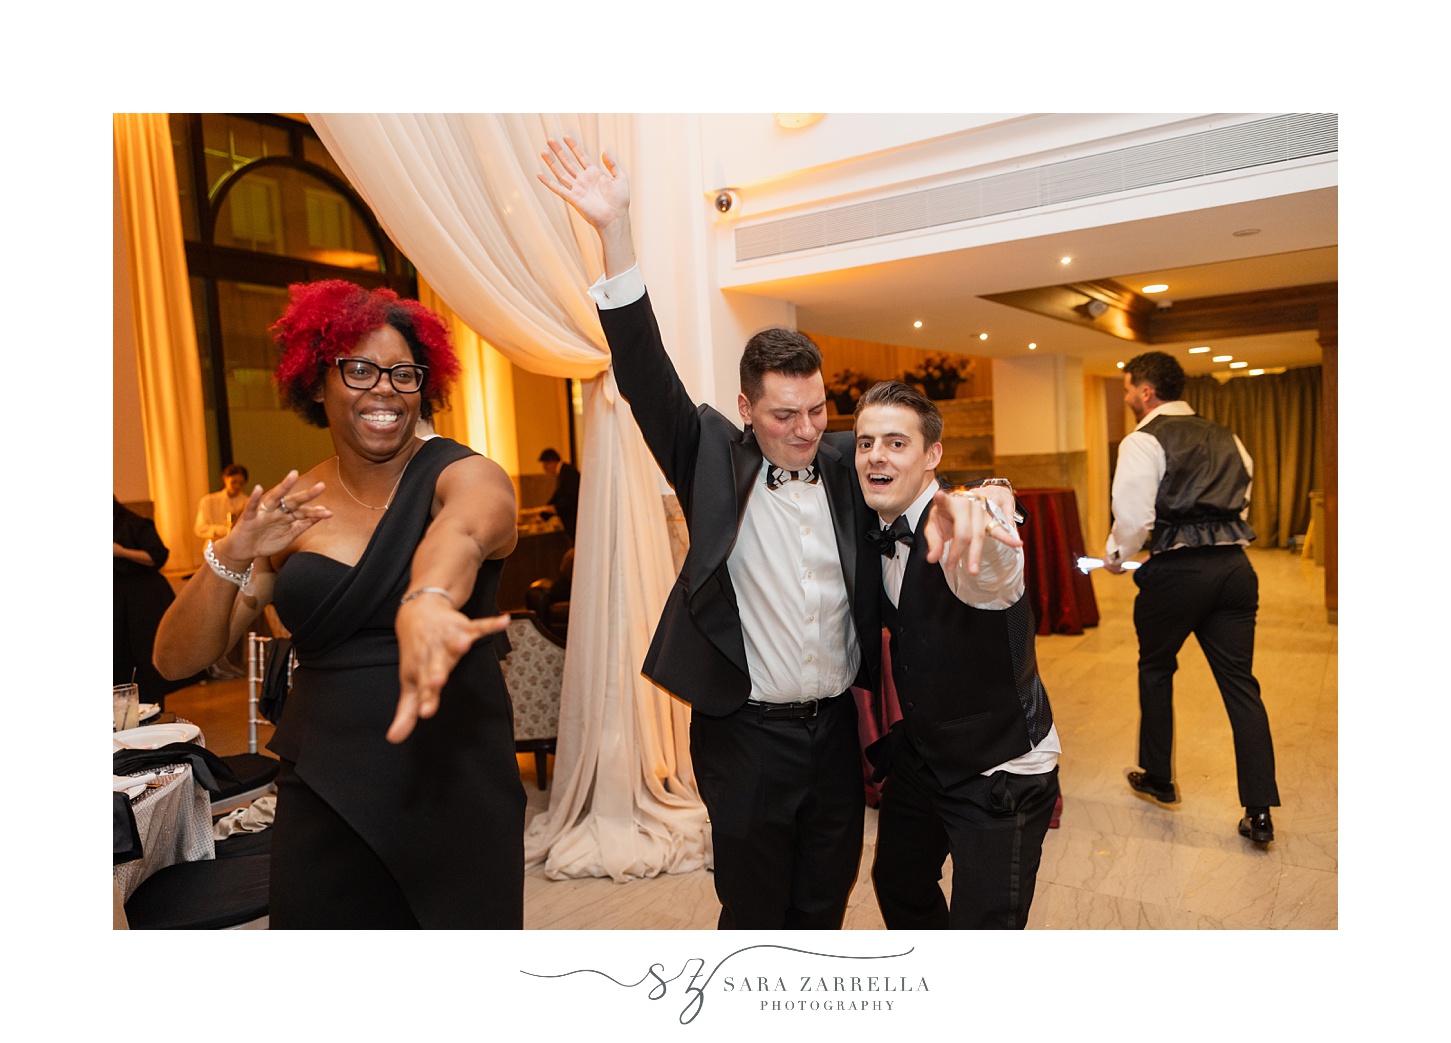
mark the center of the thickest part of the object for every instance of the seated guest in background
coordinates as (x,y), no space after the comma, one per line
(140,595)
(565,500)
(218,512)
(399,802)
(972,767)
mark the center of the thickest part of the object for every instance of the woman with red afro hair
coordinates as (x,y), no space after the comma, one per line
(399,802)
(326,319)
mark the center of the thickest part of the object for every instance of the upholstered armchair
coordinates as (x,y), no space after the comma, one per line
(534,673)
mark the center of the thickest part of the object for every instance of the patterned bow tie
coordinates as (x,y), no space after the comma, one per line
(885,540)
(779,476)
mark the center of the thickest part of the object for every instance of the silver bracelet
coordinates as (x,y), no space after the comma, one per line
(241,579)
(998,481)
(426,590)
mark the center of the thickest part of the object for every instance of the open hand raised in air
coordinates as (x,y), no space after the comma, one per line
(600,194)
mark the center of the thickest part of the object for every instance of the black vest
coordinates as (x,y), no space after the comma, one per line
(967,678)
(1204,486)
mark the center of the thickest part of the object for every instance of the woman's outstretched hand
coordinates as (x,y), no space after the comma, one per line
(432,637)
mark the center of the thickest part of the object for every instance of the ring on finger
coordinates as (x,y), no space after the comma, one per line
(262,507)
(282,506)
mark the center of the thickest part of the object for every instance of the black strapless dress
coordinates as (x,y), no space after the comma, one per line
(444,810)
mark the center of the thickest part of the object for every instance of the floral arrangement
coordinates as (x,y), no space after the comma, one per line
(939,375)
(845,387)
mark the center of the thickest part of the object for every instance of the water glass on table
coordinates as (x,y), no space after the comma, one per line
(125,706)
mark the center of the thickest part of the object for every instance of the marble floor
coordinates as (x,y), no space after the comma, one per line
(1118,860)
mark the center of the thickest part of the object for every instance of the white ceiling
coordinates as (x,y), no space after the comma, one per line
(1196,253)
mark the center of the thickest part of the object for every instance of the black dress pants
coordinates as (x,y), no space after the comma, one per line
(1212,593)
(786,809)
(992,825)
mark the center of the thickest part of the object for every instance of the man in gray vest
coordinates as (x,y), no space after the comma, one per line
(1181,487)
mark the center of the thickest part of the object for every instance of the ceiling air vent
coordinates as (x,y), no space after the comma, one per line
(1274,140)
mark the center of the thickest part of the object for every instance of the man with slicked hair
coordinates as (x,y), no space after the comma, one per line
(971,769)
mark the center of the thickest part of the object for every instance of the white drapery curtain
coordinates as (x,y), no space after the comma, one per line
(458,194)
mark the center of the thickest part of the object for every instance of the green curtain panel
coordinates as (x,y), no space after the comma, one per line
(1278,418)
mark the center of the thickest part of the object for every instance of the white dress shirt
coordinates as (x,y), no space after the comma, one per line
(800,639)
(998,585)
(216,512)
(1136,479)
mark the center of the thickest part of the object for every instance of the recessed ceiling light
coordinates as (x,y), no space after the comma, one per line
(1198,351)
(1256,372)
(1238,365)
(795,120)
(1222,358)
(1158,287)
(1065,260)
(917,325)
(982,336)
(1032,345)
(1120,365)
(1246,231)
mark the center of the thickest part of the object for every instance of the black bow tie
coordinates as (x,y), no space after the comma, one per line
(885,540)
(779,476)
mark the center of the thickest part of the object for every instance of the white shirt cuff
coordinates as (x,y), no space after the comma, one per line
(625,288)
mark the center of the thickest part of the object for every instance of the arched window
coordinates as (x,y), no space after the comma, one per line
(263,206)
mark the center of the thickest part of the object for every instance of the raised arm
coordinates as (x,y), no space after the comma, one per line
(666,414)
(599,194)
(474,520)
(211,612)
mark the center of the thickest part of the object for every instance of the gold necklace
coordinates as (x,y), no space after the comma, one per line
(359,502)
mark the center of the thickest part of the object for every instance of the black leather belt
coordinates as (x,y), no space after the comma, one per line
(788,711)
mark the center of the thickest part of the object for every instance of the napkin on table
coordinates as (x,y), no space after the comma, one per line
(131,785)
(209,770)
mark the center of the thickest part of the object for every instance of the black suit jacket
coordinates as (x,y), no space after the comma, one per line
(698,653)
(565,499)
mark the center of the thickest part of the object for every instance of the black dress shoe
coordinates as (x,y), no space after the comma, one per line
(1157,788)
(1258,828)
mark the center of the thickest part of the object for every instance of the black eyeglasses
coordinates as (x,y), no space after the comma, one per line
(362,375)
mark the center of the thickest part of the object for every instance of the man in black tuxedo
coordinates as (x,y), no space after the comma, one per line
(760,632)
(972,767)
(565,499)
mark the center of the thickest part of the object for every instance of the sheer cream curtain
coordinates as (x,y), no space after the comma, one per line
(168,367)
(457,193)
